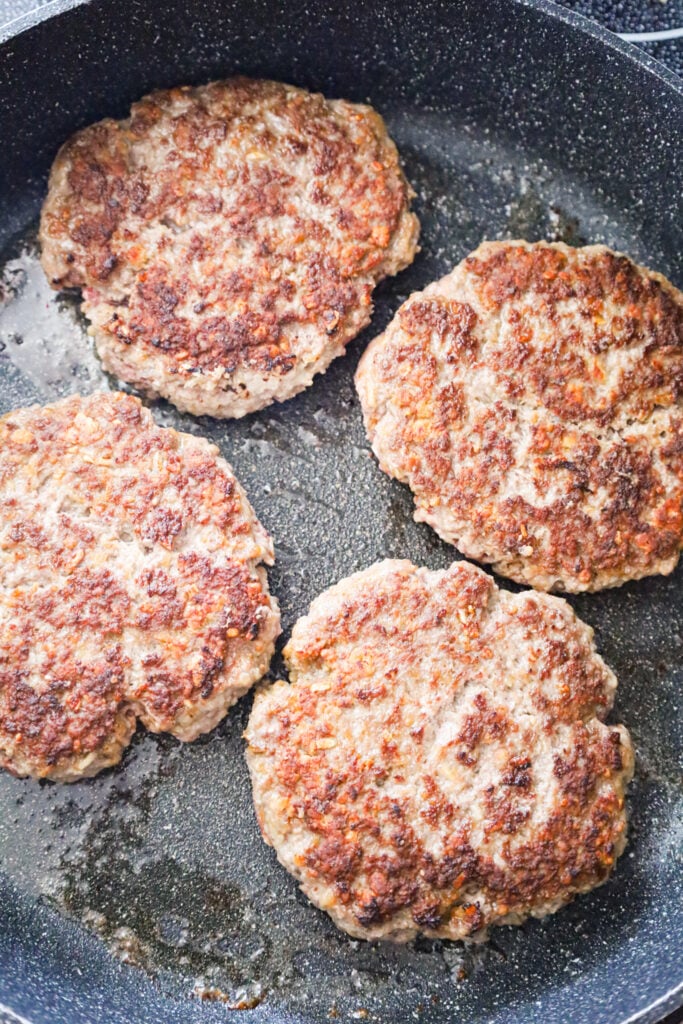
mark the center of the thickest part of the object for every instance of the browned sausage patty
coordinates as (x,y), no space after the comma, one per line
(227,238)
(438,763)
(532,400)
(130,585)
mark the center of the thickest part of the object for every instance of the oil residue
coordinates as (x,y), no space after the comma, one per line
(206,914)
(530,216)
(42,332)
(189,928)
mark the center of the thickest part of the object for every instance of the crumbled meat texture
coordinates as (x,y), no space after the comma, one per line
(227,238)
(130,585)
(533,401)
(439,763)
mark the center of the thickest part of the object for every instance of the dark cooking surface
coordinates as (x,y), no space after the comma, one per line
(616,15)
(162,856)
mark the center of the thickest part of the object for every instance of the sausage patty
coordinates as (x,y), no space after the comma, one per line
(227,238)
(532,400)
(439,762)
(130,585)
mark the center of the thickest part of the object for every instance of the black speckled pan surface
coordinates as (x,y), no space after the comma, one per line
(513,119)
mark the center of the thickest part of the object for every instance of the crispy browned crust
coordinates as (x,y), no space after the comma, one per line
(129,584)
(532,400)
(233,231)
(438,763)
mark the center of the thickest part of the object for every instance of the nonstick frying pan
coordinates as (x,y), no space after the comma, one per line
(513,119)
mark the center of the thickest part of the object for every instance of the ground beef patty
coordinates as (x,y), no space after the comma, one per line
(439,763)
(532,401)
(130,585)
(227,238)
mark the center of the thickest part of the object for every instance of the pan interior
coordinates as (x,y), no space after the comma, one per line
(160,860)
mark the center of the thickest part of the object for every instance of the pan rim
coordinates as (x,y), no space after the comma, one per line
(25,22)
(673,999)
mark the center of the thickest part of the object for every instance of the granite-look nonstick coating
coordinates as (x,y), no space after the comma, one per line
(512,120)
